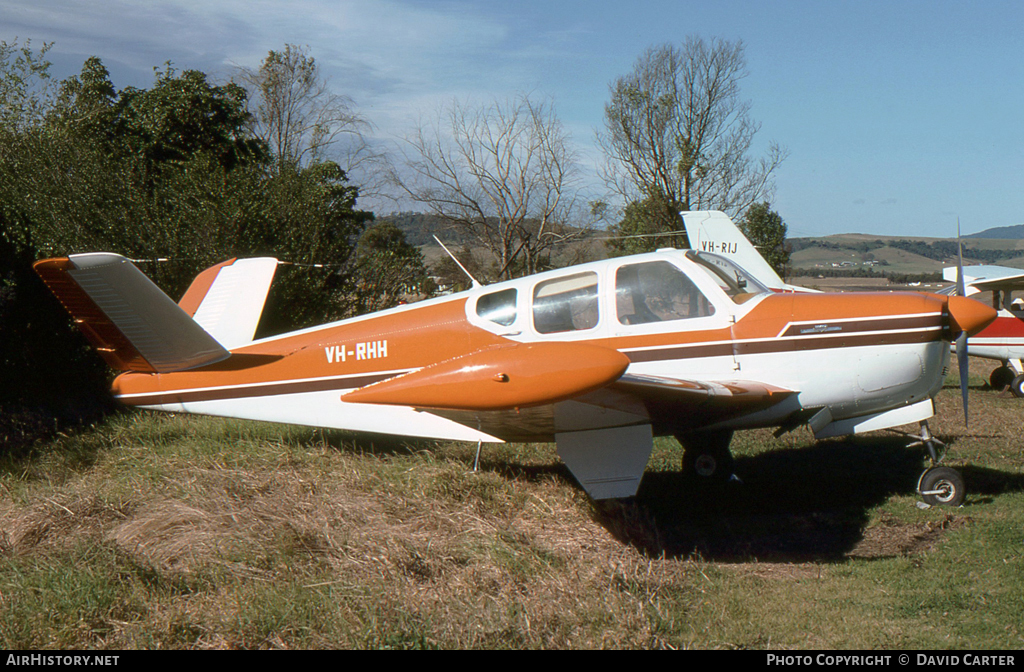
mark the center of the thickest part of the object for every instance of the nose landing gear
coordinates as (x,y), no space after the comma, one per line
(938,485)
(941,486)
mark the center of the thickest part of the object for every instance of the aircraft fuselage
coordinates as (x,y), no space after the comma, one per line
(856,355)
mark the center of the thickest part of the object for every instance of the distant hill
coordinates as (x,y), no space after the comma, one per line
(420,228)
(1001,232)
(840,254)
(858,253)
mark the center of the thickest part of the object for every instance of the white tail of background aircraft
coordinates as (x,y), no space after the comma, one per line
(713,231)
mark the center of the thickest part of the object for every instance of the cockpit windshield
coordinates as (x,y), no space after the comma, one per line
(734,281)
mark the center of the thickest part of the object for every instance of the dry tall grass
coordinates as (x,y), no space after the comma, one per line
(154,531)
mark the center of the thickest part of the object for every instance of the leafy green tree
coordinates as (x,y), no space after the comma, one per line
(183,115)
(172,171)
(26,88)
(766,231)
(308,217)
(146,173)
(388,269)
(646,225)
(26,91)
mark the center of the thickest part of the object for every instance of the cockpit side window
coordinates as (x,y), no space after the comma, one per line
(657,291)
(498,307)
(737,283)
(564,304)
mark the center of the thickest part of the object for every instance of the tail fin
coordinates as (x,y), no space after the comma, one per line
(227,299)
(713,231)
(132,323)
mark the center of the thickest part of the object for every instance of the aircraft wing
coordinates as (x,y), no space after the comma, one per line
(985,278)
(675,405)
(669,405)
(605,436)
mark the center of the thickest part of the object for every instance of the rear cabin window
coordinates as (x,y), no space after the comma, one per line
(566,304)
(498,307)
(657,291)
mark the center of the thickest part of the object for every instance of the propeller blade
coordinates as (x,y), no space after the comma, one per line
(962,364)
(961,340)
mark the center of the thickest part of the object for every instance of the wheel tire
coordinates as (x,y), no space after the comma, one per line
(706,455)
(1017,386)
(1001,378)
(942,486)
(708,464)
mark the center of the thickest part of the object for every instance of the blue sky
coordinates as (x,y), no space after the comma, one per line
(899,116)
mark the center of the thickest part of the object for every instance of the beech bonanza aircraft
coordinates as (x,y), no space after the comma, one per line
(599,358)
(1003,340)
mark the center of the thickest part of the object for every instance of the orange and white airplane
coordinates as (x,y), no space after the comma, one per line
(599,358)
(1003,340)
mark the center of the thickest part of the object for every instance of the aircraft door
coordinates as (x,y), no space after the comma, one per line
(653,292)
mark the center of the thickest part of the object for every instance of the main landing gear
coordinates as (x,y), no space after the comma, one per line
(1008,375)
(938,486)
(1001,378)
(706,455)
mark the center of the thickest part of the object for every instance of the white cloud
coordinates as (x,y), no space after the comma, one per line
(389,55)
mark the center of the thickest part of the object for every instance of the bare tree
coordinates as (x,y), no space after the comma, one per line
(295,112)
(504,174)
(677,131)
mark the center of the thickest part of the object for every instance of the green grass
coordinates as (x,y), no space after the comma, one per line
(159,531)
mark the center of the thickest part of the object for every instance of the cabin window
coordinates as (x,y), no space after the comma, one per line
(568,303)
(737,283)
(657,291)
(498,307)
(1012,301)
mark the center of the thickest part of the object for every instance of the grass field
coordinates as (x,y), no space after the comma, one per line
(159,531)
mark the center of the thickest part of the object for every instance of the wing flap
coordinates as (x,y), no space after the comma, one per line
(678,405)
(739,394)
(670,405)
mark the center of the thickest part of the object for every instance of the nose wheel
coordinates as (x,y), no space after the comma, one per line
(941,486)
(938,485)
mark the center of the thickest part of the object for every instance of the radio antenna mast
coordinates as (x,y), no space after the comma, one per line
(468,275)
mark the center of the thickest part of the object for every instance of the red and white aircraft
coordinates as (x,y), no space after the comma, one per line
(599,358)
(1003,340)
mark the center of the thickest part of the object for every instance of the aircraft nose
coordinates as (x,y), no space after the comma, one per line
(969,315)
